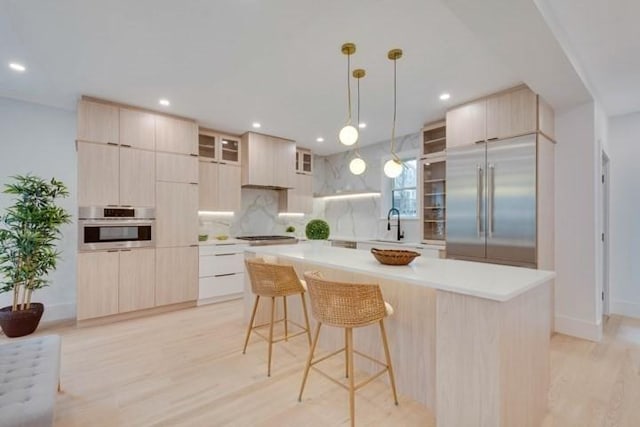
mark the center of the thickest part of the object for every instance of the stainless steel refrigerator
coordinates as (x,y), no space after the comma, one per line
(491,201)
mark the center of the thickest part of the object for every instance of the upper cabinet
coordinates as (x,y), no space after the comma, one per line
(304,161)
(98,122)
(176,136)
(219,188)
(511,113)
(137,129)
(434,139)
(467,124)
(217,147)
(267,161)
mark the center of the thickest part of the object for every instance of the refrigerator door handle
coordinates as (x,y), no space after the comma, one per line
(478,199)
(492,189)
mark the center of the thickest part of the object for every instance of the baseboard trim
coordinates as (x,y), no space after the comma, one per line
(578,328)
(625,308)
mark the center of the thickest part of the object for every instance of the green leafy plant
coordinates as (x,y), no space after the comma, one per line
(317,229)
(291,229)
(29,231)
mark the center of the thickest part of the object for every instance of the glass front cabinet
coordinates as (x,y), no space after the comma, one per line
(213,146)
(434,198)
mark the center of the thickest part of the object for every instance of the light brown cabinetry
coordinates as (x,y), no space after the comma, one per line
(467,124)
(208,186)
(511,113)
(304,161)
(218,147)
(219,187)
(136,280)
(98,122)
(97,284)
(99,174)
(300,198)
(112,175)
(267,161)
(176,168)
(176,135)
(434,139)
(176,214)
(137,129)
(176,275)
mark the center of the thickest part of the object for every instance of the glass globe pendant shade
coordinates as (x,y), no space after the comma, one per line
(393,168)
(348,135)
(357,166)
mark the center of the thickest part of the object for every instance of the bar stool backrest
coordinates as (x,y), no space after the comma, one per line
(272,280)
(344,305)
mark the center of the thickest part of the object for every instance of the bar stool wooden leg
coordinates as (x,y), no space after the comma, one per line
(273,313)
(346,355)
(352,396)
(250,327)
(309,360)
(286,326)
(306,318)
(387,354)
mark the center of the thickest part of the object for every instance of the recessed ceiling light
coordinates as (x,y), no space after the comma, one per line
(17,67)
(164,102)
(320,139)
(256,125)
(362,125)
(444,96)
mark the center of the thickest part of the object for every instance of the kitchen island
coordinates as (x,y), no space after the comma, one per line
(468,340)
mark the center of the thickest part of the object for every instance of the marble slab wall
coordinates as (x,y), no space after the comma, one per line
(348,218)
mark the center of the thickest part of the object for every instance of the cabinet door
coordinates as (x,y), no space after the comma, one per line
(511,114)
(284,158)
(97,284)
(137,279)
(177,275)
(208,186)
(467,124)
(230,149)
(229,188)
(306,164)
(258,169)
(176,136)
(176,168)
(305,193)
(137,129)
(176,214)
(137,177)
(98,122)
(98,174)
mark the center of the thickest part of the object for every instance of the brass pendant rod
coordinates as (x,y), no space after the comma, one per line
(358,142)
(349,85)
(393,128)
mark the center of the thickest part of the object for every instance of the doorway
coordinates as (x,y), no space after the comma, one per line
(605,237)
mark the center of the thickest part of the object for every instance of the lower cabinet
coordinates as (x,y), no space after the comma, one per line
(221,273)
(112,282)
(176,275)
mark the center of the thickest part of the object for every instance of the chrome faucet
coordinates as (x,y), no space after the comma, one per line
(400,234)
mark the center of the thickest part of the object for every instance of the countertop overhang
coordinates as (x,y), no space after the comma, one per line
(490,281)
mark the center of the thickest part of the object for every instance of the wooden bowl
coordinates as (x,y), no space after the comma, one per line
(394,256)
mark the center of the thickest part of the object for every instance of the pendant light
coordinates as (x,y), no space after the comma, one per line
(357,166)
(393,167)
(348,134)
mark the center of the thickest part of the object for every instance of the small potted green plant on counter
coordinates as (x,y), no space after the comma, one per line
(291,230)
(29,231)
(317,231)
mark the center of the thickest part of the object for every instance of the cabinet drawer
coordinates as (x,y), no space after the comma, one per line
(221,263)
(220,286)
(222,248)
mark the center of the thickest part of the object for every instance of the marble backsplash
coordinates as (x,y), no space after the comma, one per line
(348,218)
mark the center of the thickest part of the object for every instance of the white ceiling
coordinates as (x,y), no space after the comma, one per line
(230,63)
(603,39)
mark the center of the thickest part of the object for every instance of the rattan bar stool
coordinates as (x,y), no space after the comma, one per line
(272,281)
(348,306)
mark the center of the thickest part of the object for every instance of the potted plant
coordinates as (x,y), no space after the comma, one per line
(317,230)
(29,231)
(290,230)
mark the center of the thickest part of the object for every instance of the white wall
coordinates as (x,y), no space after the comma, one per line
(577,230)
(40,140)
(624,151)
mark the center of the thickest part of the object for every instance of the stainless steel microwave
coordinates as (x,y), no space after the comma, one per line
(103,228)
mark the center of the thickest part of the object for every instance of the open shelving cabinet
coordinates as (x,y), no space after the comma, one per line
(433,179)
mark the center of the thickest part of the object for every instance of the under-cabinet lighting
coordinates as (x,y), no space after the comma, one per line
(256,125)
(351,196)
(164,102)
(218,213)
(290,214)
(17,67)
(444,96)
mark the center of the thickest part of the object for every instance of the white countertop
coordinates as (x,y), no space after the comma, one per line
(372,240)
(490,281)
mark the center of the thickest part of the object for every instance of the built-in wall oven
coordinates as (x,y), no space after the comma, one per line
(103,228)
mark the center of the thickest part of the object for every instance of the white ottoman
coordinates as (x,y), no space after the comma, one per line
(29,375)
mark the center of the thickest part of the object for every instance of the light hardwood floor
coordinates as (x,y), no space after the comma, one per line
(185,368)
